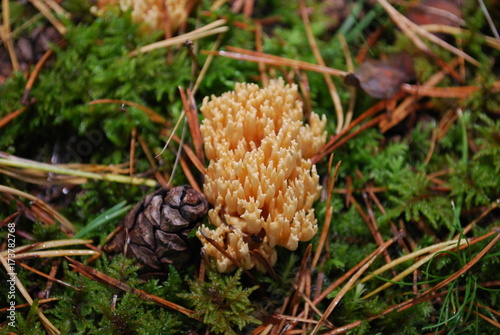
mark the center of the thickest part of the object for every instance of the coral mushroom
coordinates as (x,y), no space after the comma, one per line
(260,179)
(153,14)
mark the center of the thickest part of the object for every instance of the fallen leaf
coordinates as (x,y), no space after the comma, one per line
(383,78)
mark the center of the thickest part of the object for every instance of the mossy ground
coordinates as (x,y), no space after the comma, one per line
(433,176)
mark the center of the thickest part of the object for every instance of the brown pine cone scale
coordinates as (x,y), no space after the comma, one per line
(156,230)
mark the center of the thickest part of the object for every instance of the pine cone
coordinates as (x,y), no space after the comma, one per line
(156,230)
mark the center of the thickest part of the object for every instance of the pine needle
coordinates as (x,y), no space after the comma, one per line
(208,30)
(49,327)
(44,206)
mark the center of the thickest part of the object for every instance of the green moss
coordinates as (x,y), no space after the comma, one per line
(95,64)
(222,302)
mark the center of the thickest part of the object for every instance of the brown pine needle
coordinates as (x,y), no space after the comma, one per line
(319,59)
(488,18)
(301,276)
(330,147)
(6,36)
(352,89)
(192,156)
(49,327)
(40,302)
(159,177)
(328,215)
(29,165)
(44,206)
(193,122)
(11,116)
(471,225)
(436,28)
(172,133)
(350,283)
(446,92)
(51,278)
(487,319)
(178,154)
(56,7)
(206,65)
(450,245)
(220,248)
(208,30)
(411,29)
(258,46)
(465,268)
(45,10)
(337,140)
(189,176)
(112,282)
(153,116)
(405,107)
(254,56)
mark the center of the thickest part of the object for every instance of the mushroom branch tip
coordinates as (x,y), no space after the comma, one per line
(260,179)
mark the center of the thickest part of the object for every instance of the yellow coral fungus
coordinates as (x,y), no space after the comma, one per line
(260,179)
(153,14)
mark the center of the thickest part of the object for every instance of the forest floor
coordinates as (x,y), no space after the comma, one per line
(102,104)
